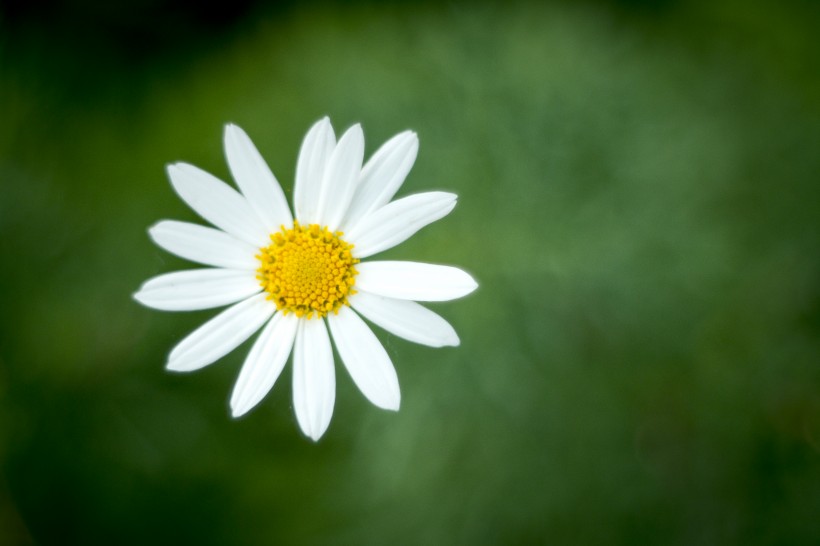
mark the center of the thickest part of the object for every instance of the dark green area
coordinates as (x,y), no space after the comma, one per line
(639,199)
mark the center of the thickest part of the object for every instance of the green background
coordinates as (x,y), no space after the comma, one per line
(639,199)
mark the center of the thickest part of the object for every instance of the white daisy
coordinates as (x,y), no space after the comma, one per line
(296,275)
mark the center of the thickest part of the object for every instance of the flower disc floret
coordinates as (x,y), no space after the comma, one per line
(307,270)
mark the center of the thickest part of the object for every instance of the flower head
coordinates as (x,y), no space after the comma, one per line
(295,277)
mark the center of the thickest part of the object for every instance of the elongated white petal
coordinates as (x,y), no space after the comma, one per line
(365,359)
(314,379)
(264,363)
(340,178)
(396,222)
(310,168)
(217,203)
(382,176)
(255,180)
(414,281)
(406,319)
(220,335)
(197,289)
(204,245)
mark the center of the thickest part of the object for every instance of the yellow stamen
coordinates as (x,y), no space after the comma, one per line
(307,270)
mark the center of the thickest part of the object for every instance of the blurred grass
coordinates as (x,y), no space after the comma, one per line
(637,197)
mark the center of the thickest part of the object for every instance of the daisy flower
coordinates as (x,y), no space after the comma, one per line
(301,277)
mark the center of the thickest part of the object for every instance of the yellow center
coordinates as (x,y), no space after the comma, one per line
(307,270)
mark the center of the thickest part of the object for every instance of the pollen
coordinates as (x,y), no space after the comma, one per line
(307,270)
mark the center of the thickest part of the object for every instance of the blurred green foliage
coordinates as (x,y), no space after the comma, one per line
(639,200)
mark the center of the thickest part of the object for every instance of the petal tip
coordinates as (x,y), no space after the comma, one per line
(470,284)
(156,227)
(414,141)
(233,131)
(390,401)
(356,133)
(315,435)
(175,172)
(451,340)
(237,411)
(138,297)
(176,366)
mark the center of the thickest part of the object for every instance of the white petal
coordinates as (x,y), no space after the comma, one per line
(365,359)
(414,281)
(218,203)
(255,180)
(220,335)
(310,168)
(264,363)
(314,379)
(382,176)
(340,178)
(205,245)
(397,221)
(406,319)
(198,289)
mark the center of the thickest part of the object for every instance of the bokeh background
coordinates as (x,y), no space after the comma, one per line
(639,192)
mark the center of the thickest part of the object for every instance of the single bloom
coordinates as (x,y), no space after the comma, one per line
(302,277)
